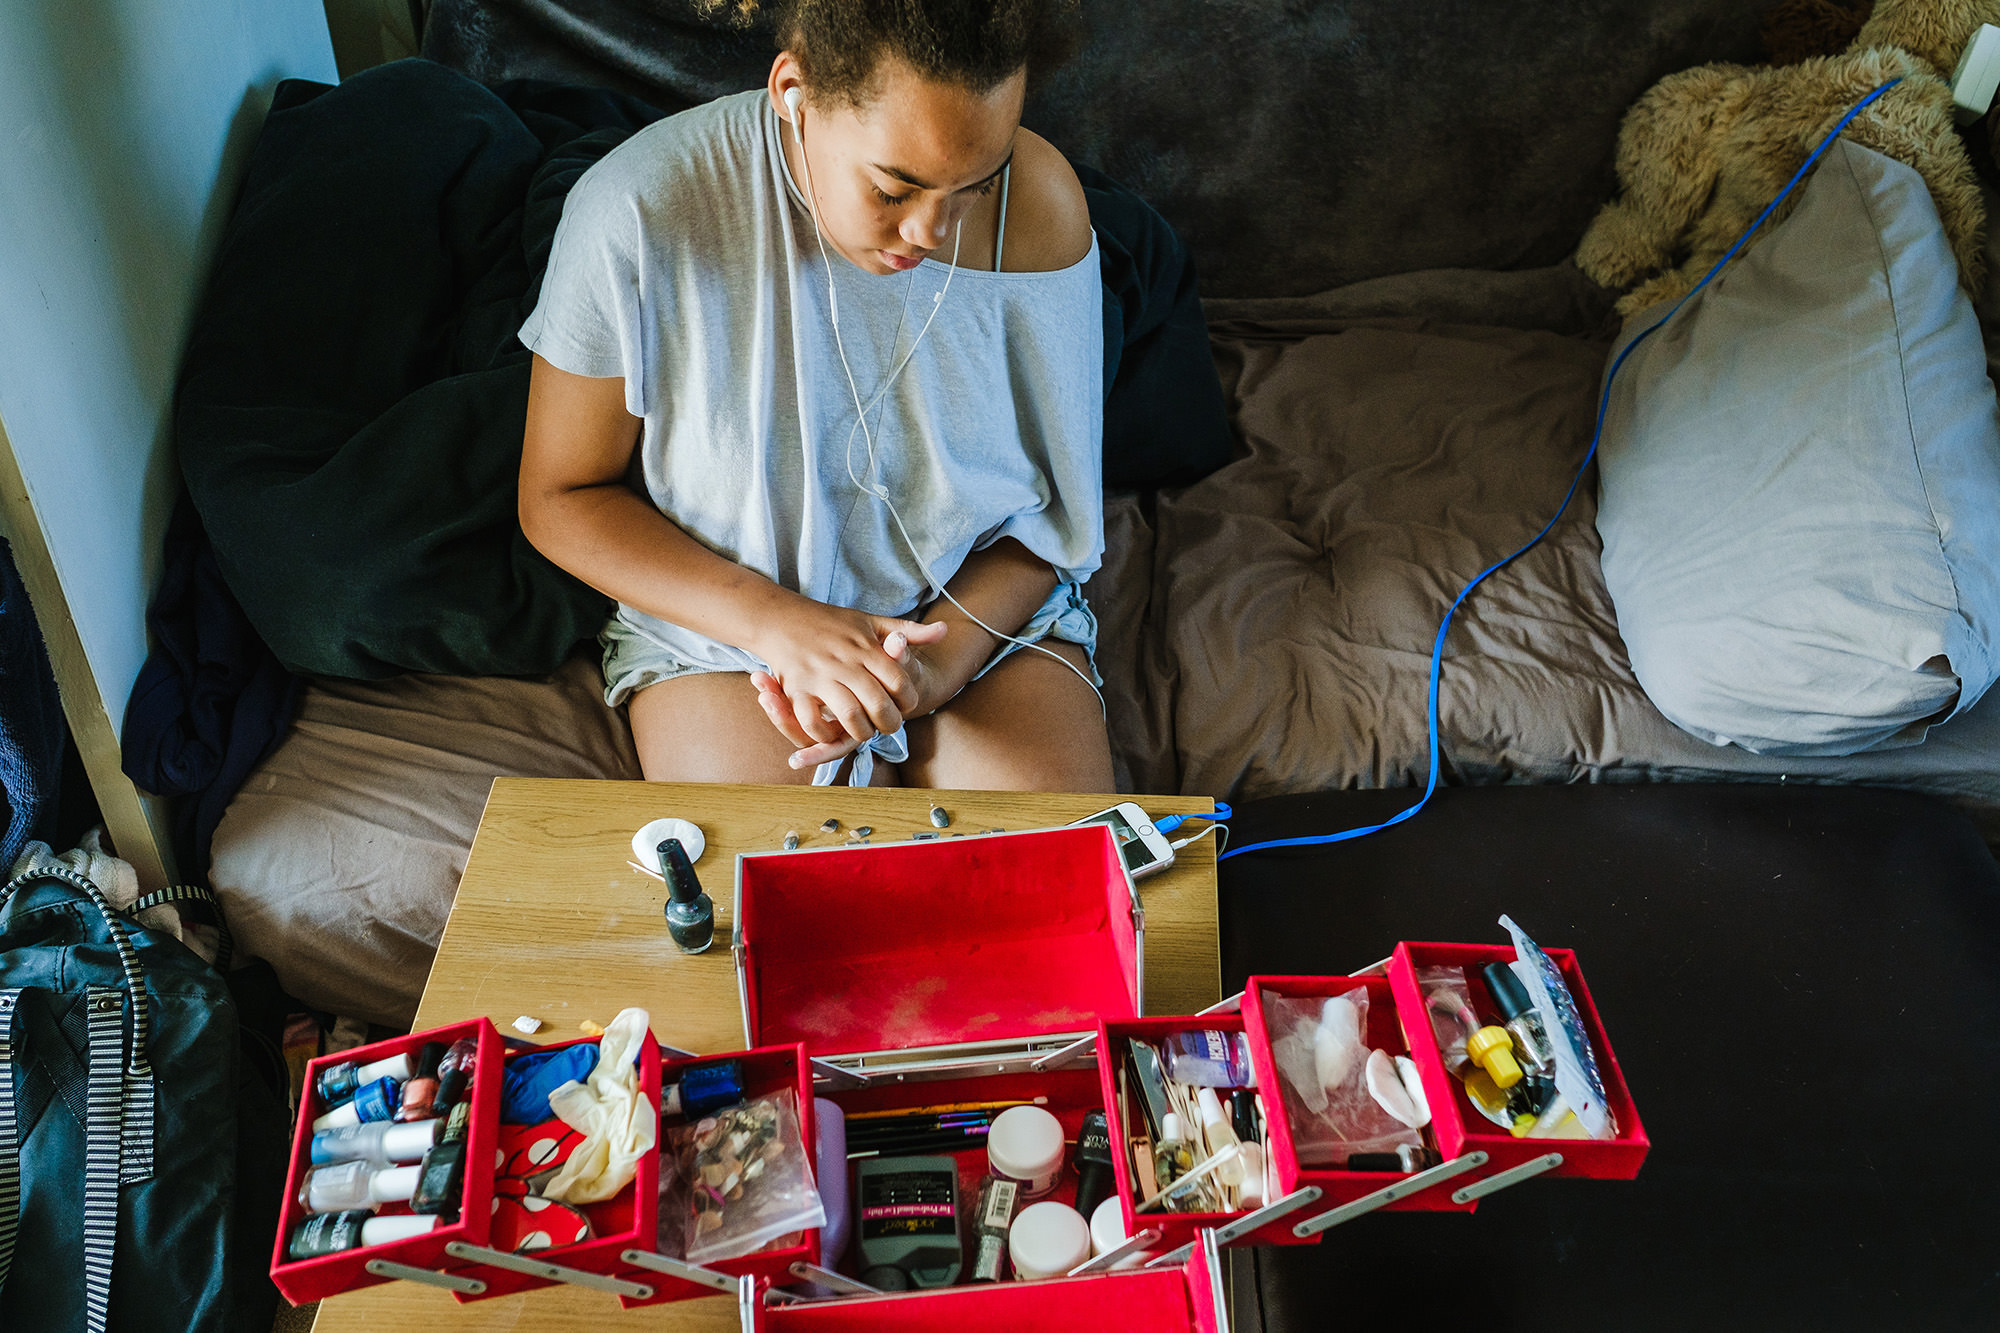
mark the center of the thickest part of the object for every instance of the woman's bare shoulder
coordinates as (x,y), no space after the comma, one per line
(1048,222)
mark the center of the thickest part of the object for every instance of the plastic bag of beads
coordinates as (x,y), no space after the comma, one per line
(747,1180)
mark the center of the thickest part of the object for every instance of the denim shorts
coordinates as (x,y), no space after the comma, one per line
(632,661)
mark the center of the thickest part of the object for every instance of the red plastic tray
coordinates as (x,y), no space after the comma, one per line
(314,1279)
(1385,1033)
(625,1221)
(1459,1126)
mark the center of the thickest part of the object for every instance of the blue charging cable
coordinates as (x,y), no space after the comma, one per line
(1603,404)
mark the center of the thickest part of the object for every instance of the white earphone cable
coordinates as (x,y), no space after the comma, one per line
(877,489)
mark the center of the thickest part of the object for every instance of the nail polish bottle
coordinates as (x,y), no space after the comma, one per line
(441,1181)
(454,1074)
(1093,1163)
(375,1101)
(703,1088)
(1243,1115)
(381,1143)
(331,1233)
(1531,1040)
(990,1222)
(337,1083)
(347,1185)
(690,913)
(1172,1157)
(420,1093)
(1492,1049)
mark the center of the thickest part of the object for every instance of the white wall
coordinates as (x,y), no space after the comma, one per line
(123,129)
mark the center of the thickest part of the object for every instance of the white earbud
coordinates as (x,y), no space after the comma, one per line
(793,96)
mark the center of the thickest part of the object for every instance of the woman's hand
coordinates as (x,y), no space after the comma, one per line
(839,677)
(934,683)
(914,662)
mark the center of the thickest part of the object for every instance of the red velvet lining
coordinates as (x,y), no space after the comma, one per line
(926,943)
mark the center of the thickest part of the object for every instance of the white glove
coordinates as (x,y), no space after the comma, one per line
(619,1123)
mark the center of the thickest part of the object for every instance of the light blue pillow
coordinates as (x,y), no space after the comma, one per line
(1800,481)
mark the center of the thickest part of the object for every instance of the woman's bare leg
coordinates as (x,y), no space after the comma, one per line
(1029,724)
(709,728)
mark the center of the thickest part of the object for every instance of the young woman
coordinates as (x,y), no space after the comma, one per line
(817,398)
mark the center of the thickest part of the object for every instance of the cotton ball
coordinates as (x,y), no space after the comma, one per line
(1385,1085)
(1337,1043)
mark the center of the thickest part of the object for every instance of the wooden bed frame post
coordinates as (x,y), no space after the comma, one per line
(137,822)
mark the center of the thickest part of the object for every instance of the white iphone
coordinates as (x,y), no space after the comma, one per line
(1144,847)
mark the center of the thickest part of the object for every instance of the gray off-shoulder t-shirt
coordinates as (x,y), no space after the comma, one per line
(686,263)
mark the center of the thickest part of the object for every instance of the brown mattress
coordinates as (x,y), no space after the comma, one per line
(1267,630)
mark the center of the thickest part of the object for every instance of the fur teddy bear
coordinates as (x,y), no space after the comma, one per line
(1703,151)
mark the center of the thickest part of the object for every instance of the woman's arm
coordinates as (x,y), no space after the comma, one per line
(578,510)
(1003,585)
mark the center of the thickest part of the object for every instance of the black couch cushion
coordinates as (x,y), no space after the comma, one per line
(1800,984)
(1296,146)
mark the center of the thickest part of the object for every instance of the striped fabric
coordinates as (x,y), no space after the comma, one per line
(225,943)
(102,1147)
(128,961)
(119,1103)
(10,1143)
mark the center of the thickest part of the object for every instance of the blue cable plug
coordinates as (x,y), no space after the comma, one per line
(1169,823)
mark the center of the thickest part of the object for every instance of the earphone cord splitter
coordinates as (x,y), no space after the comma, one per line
(877,489)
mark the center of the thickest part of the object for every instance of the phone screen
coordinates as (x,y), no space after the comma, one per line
(1130,845)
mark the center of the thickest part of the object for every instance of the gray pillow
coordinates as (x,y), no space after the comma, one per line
(1800,482)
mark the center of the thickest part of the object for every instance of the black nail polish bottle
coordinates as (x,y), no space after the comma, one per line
(690,914)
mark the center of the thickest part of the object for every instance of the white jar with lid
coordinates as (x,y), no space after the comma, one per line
(1107,1233)
(1025,1145)
(1047,1240)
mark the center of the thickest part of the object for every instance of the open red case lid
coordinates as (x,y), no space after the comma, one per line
(994,937)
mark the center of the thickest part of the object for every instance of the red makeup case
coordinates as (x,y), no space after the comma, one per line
(1385,1032)
(941,971)
(995,967)
(1190,1297)
(766,1069)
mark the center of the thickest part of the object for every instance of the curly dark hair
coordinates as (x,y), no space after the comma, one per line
(976,44)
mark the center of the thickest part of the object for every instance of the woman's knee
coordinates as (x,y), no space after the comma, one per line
(708,728)
(1029,724)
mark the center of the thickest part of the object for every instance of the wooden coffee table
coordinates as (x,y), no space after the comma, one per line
(553,922)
